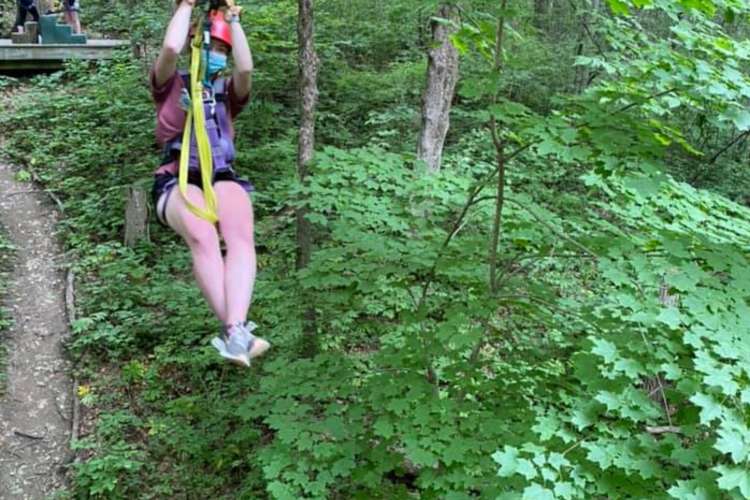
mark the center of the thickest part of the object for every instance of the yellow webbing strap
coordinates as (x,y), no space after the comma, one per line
(201,138)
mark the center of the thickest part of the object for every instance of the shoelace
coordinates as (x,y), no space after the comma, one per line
(240,328)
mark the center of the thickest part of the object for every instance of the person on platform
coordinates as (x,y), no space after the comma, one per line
(23,9)
(72,11)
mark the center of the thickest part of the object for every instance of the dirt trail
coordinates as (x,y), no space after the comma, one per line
(36,410)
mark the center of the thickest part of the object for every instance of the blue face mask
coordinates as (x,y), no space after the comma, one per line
(216,62)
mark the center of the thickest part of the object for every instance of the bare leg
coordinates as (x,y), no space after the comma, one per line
(76,22)
(203,240)
(236,226)
(73,20)
(18,26)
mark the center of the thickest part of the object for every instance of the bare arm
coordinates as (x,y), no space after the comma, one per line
(174,42)
(243,58)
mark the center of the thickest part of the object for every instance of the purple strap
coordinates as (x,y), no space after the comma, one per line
(218,128)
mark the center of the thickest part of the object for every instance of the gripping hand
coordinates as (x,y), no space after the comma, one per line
(232,11)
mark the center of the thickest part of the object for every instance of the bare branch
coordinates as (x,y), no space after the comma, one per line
(664,429)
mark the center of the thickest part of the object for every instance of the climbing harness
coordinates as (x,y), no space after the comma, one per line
(196,115)
(218,125)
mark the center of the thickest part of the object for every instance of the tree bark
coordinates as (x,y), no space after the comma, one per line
(308,90)
(136,216)
(442,74)
(541,13)
(499,144)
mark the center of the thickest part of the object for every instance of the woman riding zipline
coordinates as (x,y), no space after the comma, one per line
(211,201)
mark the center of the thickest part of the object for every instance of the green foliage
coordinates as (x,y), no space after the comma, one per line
(140,22)
(611,361)
(112,475)
(651,237)
(382,101)
(7,82)
(696,348)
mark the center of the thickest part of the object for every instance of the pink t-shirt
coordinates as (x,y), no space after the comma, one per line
(170,117)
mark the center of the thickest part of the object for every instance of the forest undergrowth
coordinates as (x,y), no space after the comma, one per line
(606,355)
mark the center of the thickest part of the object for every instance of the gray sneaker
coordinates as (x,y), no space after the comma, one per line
(256,346)
(232,346)
(240,345)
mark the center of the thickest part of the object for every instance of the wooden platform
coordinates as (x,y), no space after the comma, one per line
(27,56)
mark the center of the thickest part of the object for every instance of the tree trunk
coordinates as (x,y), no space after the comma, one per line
(499,143)
(308,89)
(541,14)
(655,386)
(442,74)
(136,216)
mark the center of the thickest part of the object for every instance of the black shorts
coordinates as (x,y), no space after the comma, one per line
(23,9)
(163,184)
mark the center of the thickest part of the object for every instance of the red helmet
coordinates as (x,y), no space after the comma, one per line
(220,28)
